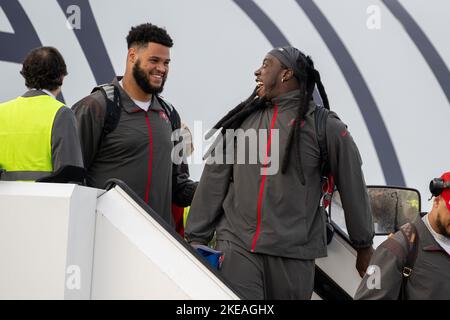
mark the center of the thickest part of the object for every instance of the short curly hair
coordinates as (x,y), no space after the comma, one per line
(44,68)
(144,33)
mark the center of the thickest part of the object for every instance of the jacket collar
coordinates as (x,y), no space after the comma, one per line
(291,100)
(33,93)
(287,100)
(127,103)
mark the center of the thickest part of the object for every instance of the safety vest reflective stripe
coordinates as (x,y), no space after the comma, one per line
(23,175)
(25,134)
(185,215)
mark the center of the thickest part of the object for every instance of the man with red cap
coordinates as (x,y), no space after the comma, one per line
(414,263)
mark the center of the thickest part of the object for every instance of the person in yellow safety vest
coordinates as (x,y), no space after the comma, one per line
(38,134)
(180,214)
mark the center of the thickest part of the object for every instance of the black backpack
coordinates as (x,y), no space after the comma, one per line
(320,119)
(113,105)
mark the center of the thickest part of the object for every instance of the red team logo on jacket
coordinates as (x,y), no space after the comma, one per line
(291,123)
(164,116)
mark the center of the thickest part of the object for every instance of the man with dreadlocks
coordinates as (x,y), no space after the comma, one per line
(272,227)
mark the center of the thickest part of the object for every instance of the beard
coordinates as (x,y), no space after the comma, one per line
(143,82)
(441,227)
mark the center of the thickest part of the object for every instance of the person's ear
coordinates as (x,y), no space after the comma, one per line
(132,55)
(287,75)
(436,201)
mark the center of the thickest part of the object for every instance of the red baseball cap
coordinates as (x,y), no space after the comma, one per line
(446,192)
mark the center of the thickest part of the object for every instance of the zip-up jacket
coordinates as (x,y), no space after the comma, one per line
(137,151)
(275,214)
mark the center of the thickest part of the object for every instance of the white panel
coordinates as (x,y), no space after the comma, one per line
(35,235)
(33,247)
(315,297)
(80,246)
(161,249)
(340,265)
(122,271)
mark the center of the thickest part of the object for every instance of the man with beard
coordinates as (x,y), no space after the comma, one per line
(414,263)
(133,141)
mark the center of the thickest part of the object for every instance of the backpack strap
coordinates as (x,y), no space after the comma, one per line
(113,106)
(320,119)
(172,114)
(411,236)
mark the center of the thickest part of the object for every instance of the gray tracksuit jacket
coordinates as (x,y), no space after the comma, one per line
(275,214)
(138,152)
(430,277)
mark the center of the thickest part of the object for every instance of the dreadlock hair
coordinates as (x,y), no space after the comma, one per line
(308,79)
(237,115)
(234,118)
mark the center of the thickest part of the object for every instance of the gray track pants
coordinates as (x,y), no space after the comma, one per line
(259,276)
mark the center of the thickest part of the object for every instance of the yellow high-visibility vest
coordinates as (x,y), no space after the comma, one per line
(185,215)
(25,136)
